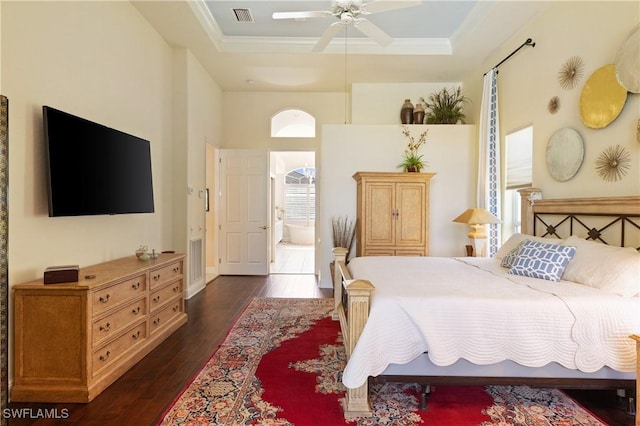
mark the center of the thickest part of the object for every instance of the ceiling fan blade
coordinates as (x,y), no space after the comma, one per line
(386,5)
(372,31)
(327,36)
(301,15)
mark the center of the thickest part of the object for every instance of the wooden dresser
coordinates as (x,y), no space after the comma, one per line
(392,214)
(72,340)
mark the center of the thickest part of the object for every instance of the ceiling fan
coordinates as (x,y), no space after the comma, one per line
(351,11)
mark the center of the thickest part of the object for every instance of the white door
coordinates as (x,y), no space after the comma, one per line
(244,208)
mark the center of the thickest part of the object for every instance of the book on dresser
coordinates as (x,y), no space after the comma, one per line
(72,340)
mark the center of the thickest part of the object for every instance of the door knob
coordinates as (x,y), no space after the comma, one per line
(265,227)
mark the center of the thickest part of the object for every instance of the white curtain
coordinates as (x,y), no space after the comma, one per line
(489,157)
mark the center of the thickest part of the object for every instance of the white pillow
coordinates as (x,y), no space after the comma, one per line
(612,269)
(515,240)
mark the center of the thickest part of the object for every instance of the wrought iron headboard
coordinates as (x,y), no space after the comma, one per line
(613,221)
(580,222)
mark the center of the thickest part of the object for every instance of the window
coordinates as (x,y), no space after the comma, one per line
(518,147)
(300,196)
(293,123)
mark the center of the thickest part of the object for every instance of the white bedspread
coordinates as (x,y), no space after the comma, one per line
(470,308)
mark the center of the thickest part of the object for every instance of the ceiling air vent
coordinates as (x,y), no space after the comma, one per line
(243,15)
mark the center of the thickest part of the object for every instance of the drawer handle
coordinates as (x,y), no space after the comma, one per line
(135,286)
(176,269)
(176,308)
(105,357)
(176,288)
(135,311)
(136,335)
(106,327)
(156,277)
(104,299)
(156,321)
(156,299)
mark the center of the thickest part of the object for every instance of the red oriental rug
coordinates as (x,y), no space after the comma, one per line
(280,364)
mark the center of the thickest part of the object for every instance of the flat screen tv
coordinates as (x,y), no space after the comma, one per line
(93,169)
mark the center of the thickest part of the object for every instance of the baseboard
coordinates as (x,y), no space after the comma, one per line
(325,283)
(194,288)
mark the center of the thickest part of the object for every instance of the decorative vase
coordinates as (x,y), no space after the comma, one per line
(406,113)
(413,169)
(418,114)
(140,251)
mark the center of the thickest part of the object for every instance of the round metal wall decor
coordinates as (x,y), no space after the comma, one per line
(564,154)
(571,72)
(602,98)
(613,163)
(628,62)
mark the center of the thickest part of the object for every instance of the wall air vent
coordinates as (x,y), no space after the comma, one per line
(243,15)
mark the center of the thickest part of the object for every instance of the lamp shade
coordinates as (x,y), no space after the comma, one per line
(477,217)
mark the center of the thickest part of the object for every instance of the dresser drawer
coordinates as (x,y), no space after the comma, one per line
(163,275)
(109,297)
(122,318)
(159,319)
(113,351)
(163,295)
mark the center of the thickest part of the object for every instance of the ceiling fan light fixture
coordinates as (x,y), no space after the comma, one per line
(349,12)
(372,31)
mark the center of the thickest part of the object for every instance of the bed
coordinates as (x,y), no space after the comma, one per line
(462,321)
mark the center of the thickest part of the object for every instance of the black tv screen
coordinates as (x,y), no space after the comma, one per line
(93,169)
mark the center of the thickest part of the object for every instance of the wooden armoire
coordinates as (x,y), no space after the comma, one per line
(392,214)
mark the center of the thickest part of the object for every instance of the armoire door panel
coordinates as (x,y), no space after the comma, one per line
(411,208)
(380,219)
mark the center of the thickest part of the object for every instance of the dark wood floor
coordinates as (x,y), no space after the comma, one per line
(142,394)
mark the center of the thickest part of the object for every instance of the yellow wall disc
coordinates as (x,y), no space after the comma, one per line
(602,98)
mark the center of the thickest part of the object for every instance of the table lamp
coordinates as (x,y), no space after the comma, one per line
(477,219)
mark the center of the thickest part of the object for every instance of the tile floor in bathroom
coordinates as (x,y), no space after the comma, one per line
(293,259)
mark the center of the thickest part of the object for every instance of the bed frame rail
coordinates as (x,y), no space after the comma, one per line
(351,308)
(352,296)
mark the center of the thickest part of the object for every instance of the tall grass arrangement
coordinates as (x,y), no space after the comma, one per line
(343,231)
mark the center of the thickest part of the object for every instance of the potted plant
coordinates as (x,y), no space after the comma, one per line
(412,160)
(445,107)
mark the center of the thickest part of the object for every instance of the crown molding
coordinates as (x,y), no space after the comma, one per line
(355,46)
(288,45)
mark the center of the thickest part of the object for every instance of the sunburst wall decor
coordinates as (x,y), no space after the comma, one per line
(571,72)
(554,105)
(612,164)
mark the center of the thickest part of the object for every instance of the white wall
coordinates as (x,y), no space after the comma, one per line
(594,31)
(101,61)
(449,151)
(247,118)
(201,116)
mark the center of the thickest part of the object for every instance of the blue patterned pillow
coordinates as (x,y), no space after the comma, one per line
(542,260)
(508,259)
